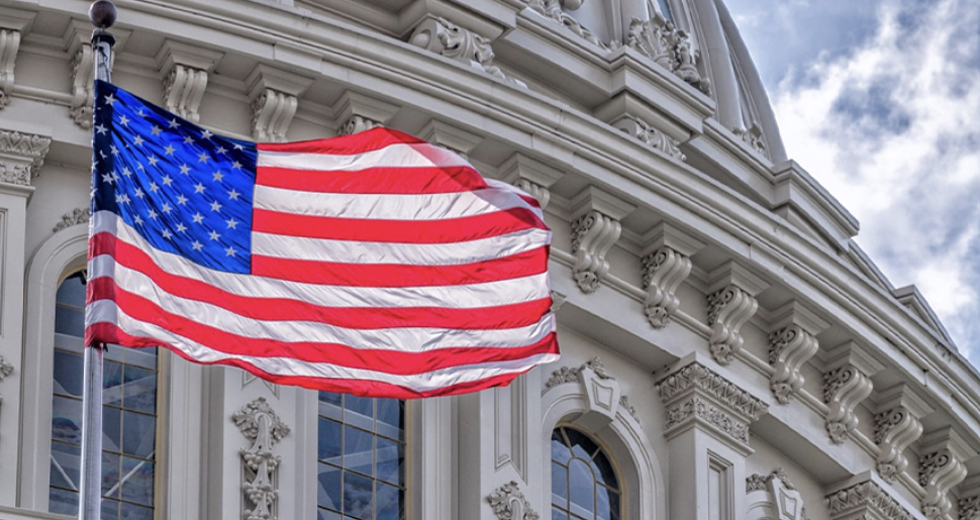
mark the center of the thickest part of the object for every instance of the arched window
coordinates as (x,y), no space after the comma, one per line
(361,453)
(129,410)
(583,482)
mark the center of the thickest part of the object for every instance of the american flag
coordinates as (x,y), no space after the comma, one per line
(375,264)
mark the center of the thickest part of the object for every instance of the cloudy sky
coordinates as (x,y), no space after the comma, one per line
(880,101)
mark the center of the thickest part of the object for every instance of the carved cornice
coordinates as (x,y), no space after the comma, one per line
(445,38)
(895,430)
(652,136)
(259,424)
(844,388)
(670,48)
(76,216)
(9,45)
(82,93)
(553,9)
(508,503)
(728,309)
(939,472)
(866,500)
(663,271)
(21,156)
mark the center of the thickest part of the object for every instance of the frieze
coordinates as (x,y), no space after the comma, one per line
(868,498)
(698,408)
(24,156)
(698,377)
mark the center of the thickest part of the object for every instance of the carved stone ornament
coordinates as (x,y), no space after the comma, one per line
(259,423)
(357,124)
(5,368)
(865,500)
(9,45)
(789,348)
(695,392)
(939,472)
(553,9)
(571,374)
(76,216)
(82,90)
(895,430)
(183,90)
(663,271)
(844,388)
(753,137)
(728,309)
(969,508)
(272,112)
(652,137)
(593,234)
(443,37)
(670,48)
(508,503)
(786,501)
(557,300)
(21,156)
(624,402)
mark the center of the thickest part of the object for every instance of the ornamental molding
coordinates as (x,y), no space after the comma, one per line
(571,374)
(21,156)
(969,508)
(601,390)
(357,124)
(557,300)
(5,368)
(594,232)
(705,412)
(939,472)
(259,424)
(553,9)
(9,45)
(865,500)
(358,112)
(669,47)
(443,37)
(753,137)
(72,218)
(82,89)
(791,344)
(785,499)
(531,176)
(508,503)
(651,136)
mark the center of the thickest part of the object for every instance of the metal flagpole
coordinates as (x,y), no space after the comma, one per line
(102,13)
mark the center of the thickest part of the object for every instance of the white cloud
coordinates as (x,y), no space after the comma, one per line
(892,129)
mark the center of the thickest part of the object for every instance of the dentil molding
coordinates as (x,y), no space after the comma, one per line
(508,503)
(443,37)
(792,343)
(865,500)
(594,231)
(259,424)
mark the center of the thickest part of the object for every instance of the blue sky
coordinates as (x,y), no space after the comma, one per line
(880,101)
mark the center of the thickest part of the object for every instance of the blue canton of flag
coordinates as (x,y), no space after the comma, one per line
(185,189)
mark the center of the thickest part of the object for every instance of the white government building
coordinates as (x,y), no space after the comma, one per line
(729,352)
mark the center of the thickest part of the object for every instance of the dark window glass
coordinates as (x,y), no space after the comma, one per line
(361,449)
(583,482)
(129,419)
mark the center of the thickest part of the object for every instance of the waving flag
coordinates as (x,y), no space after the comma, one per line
(374,264)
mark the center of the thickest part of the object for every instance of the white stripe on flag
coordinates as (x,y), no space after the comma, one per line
(401,155)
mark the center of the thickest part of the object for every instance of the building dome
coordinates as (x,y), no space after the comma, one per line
(728,351)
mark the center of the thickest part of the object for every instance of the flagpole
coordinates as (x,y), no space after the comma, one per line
(102,13)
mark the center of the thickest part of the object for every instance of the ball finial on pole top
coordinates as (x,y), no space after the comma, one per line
(102,13)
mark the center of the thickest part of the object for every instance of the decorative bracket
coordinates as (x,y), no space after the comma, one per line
(847,382)
(451,137)
(9,45)
(509,503)
(865,500)
(531,176)
(696,396)
(185,71)
(666,263)
(21,156)
(595,229)
(731,302)
(969,508)
(76,38)
(259,424)
(940,469)
(669,47)
(359,112)
(440,36)
(897,425)
(275,97)
(791,343)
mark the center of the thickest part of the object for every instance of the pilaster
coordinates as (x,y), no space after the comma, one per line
(358,112)
(941,467)
(185,70)
(530,175)
(792,342)
(595,229)
(731,302)
(897,425)
(666,264)
(707,431)
(847,382)
(275,96)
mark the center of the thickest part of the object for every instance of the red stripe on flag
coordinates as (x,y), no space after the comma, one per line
(277,309)
(109,333)
(445,231)
(383,358)
(388,180)
(353,144)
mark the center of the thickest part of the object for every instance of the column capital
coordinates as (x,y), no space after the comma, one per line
(21,156)
(863,497)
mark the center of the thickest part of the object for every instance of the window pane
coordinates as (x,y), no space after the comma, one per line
(72,291)
(558,514)
(137,483)
(390,418)
(135,512)
(69,321)
(358,495)
(358,450)
(68,372)
(328,491)
(328,441)
(581,490)
(586,488)
(139,434)
(390,461)
(604,470)
(582,446)
(559,485)
(359,411)
(66,420)
(110,510)
(65,463)
(110,474)
(63,502)
(390,503)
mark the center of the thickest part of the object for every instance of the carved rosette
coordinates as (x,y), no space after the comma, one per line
(183,90)
(865,500)
(76,216)
(663,272)
(969,508)
(508,503)
(593,234)
(82,91)
(895,430)
(445,38)
(259,424)
(21,156)
(670,48)
(357,124)
(553,9)
(844,388)
(272,112)
(728,309)
(9,45)
(696,393)
(789,348)
(939,472)
(652,137)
